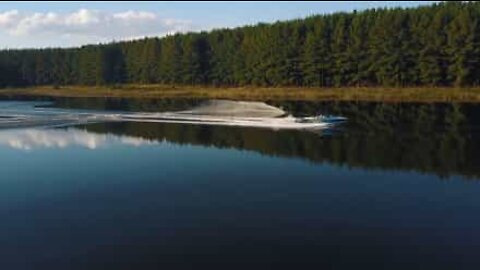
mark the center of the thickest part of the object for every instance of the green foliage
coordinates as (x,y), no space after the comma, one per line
(437,45)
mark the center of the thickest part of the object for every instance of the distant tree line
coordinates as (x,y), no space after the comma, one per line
(437,45)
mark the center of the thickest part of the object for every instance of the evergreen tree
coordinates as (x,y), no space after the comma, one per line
(171,59)
(463,46)
(317,57)
(342,66)
(151,61)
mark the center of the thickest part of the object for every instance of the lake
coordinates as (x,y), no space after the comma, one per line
(396,186)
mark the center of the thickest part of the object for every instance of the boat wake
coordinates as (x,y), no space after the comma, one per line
(213,112)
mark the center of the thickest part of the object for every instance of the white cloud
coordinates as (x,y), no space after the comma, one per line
(135,15)
(8,18)
(86,25)
(82,17)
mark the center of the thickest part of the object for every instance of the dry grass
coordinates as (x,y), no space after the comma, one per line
(257,93)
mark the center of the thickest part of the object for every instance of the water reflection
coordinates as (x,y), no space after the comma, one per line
(124,206)
(442,152)
(34,139)
(211,112)
(441,139)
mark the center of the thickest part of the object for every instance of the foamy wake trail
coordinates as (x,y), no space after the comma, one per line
(215,112)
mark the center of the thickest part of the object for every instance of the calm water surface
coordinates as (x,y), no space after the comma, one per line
(396,187)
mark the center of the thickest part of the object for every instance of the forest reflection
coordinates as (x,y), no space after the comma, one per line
(437,138)
(441,139)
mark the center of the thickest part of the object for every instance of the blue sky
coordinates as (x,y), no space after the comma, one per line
(45,24)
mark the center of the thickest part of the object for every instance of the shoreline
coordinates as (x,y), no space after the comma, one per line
(374,94)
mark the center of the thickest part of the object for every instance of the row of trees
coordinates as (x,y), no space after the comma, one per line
(437,45)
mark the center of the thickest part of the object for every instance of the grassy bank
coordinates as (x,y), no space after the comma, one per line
(256,93)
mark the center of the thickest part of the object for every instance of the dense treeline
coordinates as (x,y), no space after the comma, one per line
(437,45)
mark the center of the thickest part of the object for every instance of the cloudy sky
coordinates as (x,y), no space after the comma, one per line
(66,24)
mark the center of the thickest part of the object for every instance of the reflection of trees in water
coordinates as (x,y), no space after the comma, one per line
(440,139)
(112,103)
(426,137)
(127,104)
